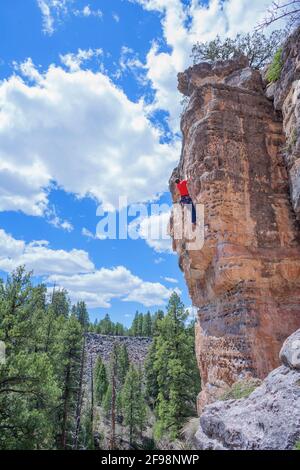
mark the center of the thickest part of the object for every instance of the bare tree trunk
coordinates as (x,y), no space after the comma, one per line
(92,397)
(113,408)
(79,399)
(65,412)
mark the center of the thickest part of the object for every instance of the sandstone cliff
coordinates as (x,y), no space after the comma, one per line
(245,281)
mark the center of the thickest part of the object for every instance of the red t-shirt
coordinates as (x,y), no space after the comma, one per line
(182,188)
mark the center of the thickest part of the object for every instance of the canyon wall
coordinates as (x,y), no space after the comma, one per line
(245,281)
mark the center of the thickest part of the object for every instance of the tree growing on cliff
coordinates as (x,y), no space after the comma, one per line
(256,46)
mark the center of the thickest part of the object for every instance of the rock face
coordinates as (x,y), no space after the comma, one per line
(268,419)
(245,281)
(102,345)
(286,95)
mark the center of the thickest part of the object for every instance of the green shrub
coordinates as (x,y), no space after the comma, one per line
(275,68)
(241,389)
(297,445)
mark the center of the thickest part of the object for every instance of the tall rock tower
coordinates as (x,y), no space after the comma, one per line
(245,281)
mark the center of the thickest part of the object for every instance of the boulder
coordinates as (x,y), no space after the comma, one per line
(290,351)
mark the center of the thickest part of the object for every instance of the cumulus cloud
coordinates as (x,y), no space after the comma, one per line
(98,288)
(37,256)
(183,25)
(81,131)
(74,271)
(154,230)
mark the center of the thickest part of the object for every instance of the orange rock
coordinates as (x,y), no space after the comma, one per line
(245,281)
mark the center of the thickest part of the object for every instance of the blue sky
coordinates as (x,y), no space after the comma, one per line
(89,111)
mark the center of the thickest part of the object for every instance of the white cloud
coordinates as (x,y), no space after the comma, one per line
(28,70)
(87,11)
(74,271)
(87,233)
(154,230)
(56,221)
(98,288)
(37,256)
(73,61)
(171,279)
(79,130)
(129,59)
(192,312)
(185,24)
(51,11)
(116,17)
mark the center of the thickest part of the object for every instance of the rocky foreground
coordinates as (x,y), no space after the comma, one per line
(268,419)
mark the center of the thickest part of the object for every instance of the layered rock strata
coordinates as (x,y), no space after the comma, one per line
(245,281)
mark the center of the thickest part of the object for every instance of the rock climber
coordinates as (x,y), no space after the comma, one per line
(185,197)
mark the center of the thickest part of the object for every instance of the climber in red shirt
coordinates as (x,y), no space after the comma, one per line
(185,197)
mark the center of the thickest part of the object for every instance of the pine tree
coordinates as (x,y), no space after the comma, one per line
(71,346)
(140,324)
(100,381)
(151,387)
(175,368)
(133,403)
(123,364)
(106,326)
(80,312)
(147,325)
(159,315)
(135,324)
(107,401)
(119,329)
(29,390)
(60,302)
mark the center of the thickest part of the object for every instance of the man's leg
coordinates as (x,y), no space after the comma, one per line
(193,213)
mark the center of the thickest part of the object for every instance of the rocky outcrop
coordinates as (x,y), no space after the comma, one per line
(268,419)
(245,281)
(286,95)
(102,345)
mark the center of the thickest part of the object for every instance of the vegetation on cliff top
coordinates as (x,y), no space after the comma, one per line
(258,47)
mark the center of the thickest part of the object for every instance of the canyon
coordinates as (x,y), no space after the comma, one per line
(240,154)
